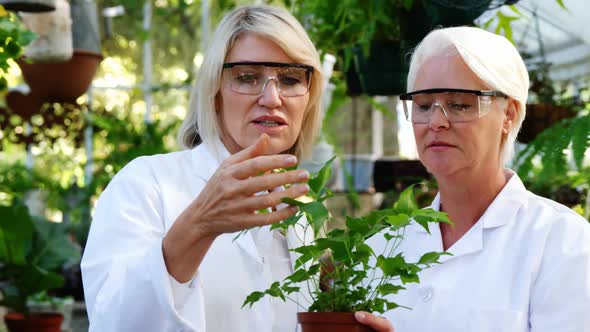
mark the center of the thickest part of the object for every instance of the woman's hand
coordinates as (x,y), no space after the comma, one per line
(377,323)
(228,204)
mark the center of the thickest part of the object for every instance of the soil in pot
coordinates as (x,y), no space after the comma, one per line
(37,322)
(330,322)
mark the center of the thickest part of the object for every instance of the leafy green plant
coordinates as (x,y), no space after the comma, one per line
(340,25)
(342,272)
(125,141)
(557,157)
(32,252)
(13,37)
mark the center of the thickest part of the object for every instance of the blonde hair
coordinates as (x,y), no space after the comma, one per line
(279,26)
(491,57)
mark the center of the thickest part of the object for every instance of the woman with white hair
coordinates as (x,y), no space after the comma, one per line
(518,262)
(163,252)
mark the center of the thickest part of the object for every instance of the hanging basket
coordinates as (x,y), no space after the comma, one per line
(63,81)
(31,6)
(330,322)
(455,12)
(540,117)
(382,73)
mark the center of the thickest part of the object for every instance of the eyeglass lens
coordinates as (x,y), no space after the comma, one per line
(456,106)
(252,79)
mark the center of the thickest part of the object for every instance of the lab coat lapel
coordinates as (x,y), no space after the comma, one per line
(245,241)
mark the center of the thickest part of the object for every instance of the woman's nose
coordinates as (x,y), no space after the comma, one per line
(270,96)
(438,118)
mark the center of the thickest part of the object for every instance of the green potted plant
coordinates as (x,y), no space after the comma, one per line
(13,38)
(545,106)
(373,38)
(343,273)
(44,303)
(32,252)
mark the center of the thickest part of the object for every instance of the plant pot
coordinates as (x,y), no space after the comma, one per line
(38,322)
(455,13)
(65,307)
(31,6)
(383,72)
(540,117)
(62,81)
(330,322)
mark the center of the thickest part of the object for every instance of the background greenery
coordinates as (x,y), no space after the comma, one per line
(554,165)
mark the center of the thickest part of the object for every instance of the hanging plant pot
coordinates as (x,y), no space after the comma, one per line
(54,34)
(382,73)
(38,322)
(85,28)
(330,322)
(63,81)
(540,117)
(455,13)
(32,6)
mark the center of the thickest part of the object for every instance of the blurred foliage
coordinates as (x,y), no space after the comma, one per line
(32,253)
(337,26)
(13,38)
(556,164)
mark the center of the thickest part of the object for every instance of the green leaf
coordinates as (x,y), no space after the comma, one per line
(319,181)
(291,201)
(406,202)
(561,4)
(317,214)
(253,298)
(299,276)
(431,258)
(398,221)
(16,230)
(580,140)
(387,289)
(289,222)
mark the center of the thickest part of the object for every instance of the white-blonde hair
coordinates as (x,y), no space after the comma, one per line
(491,57)
(279,26)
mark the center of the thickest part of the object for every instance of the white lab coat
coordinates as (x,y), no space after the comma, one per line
(524,266)
(126,284)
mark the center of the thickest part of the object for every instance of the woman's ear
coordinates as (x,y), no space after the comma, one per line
(511,115)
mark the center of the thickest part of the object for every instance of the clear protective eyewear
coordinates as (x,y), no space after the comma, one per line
(458,105)
(251,78)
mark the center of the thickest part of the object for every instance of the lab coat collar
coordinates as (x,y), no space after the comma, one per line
(502,210)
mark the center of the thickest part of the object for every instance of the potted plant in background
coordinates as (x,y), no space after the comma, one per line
(545,106)
(32,252)
(13,37)
(342,271)
(373,38)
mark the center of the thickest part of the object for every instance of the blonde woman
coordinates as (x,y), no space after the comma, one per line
(161,254)
(520,262)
